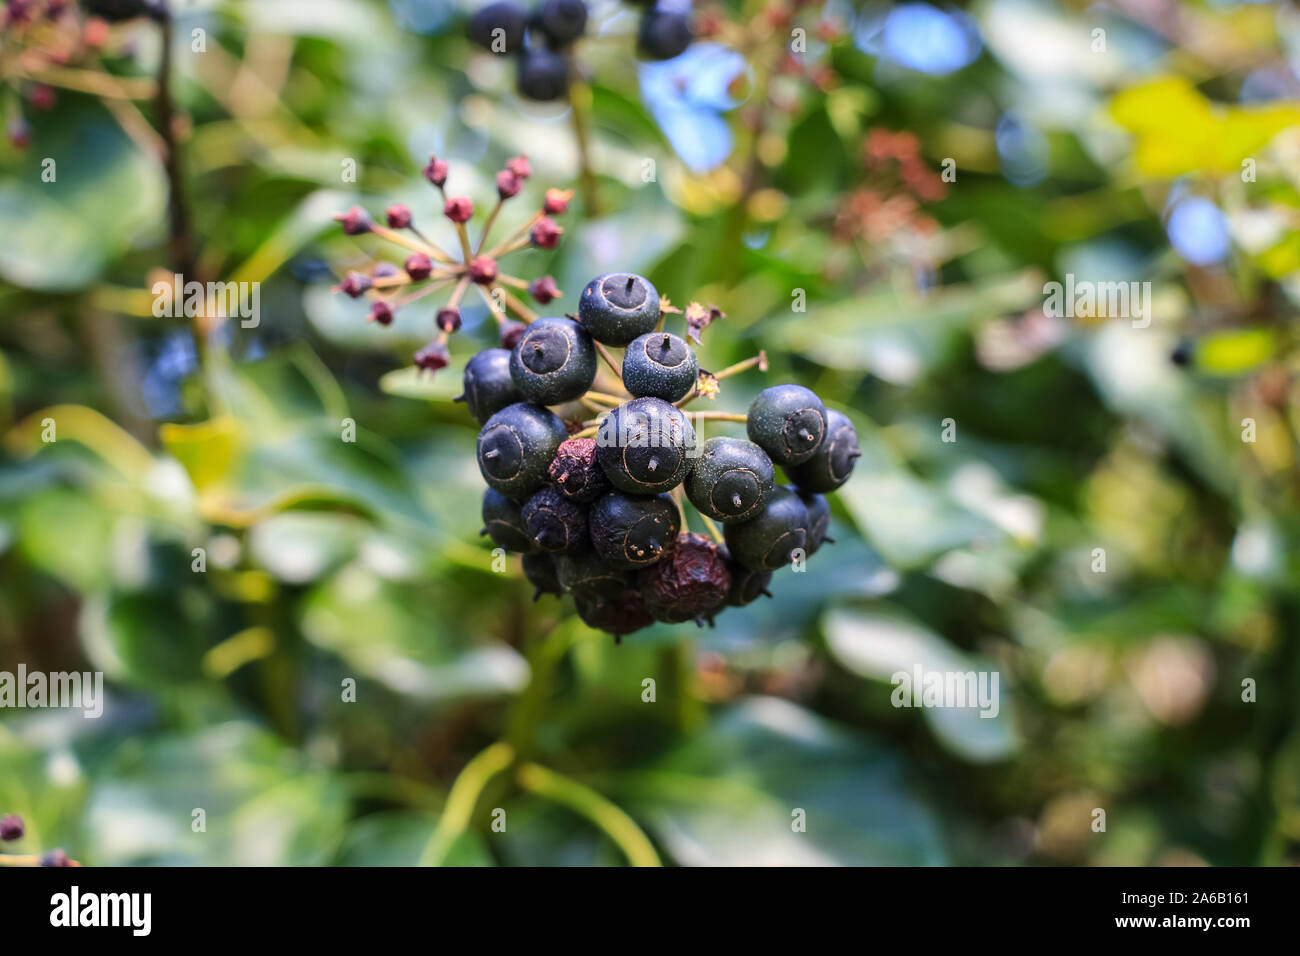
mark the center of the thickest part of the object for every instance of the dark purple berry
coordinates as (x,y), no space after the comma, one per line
(488,385)
(543,74)
(659,365)
(499,27)
(55,858)
(788,422)
(540,570)
(563,21)
(587,575)
(555,523)
(645,446)
(554,362)
(819,519)
(617,307)
(516,446)
(503,522)
(769,540)
(618,615)
(833,462)
(633,531)
(664,34)
(730,479)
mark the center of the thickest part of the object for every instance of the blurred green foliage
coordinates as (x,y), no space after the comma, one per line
(325,560)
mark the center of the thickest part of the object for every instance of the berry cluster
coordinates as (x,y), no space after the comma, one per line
(596,507)
(428,268)
(543,41)
(13,830)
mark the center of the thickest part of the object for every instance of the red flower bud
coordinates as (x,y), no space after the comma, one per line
(449,320)
(483,270)
(432,357)
(354,284)
(508,184)
(511,333)
(399,216)
(11,827)
(543,290)
(436,171)
(382,313)
(356,221)
(557,201)
(418,266)
(458,209)
(520,167)
(545,234)
(41,97)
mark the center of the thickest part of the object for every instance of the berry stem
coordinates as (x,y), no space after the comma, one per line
(713,528)
(680,499)
(516,240)
(487,226)
(760,360)
(588,432)
(720,416)
(428,248)
(432,246)
(461,801)
(614,366)
(458,293)
(463,235)
(497,314)
(421,293)
(520,309)
(605,398)
(579,101)
(607,816)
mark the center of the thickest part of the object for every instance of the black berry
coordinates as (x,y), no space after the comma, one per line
(747,585)
(563,21)
(554,522)
(617,307)
(539,569)
(659,365)
(503,523)
(664,34)
(833,462)
(645,446)
(788,422)
(576,473)
(587,575)
(543,74)
(622,614)
(631,531)
(499,27)
(819,519)
(488,385)
(516,446)
(730,479)
(768,541)
(553,362)
(692,581)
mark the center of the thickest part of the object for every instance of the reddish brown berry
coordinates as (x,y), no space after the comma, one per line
(545,234)
(399,216)
(436,171)
(458,209)
(356,221)
(690,582)
(432,357)
(483,270)
(618,615)
(576,473)
(543,290)
(382,313)
(449,320)
(418,266)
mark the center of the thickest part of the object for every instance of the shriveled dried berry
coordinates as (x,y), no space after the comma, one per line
(576,473)
(692,581)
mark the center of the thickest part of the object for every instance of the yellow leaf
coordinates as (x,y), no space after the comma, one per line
(1179,131)
(209,451)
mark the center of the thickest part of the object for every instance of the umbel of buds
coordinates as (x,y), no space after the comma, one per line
(542,42)
(430,268)
(598,506)
(11,831)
